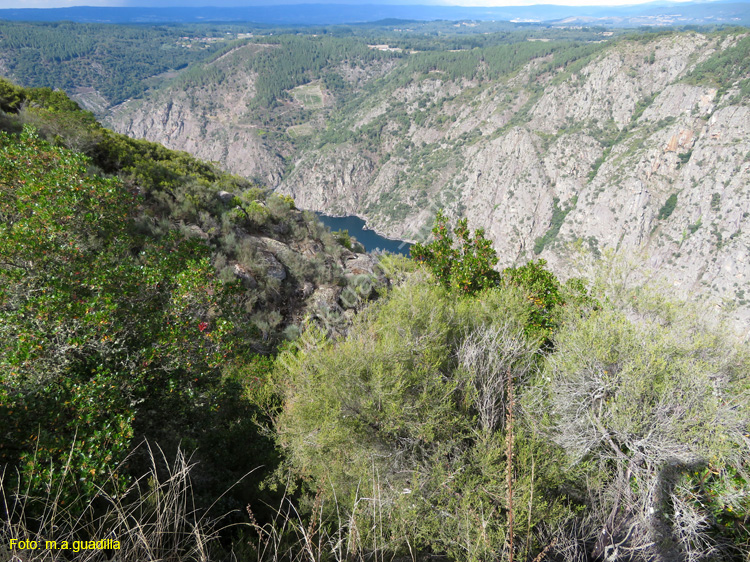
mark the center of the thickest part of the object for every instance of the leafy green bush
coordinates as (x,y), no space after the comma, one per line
(94,318)
(467,268)
(543,291)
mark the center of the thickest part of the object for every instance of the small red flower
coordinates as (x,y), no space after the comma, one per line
(202,326)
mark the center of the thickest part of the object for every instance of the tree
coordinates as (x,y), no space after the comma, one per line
(466,268)
(545,295)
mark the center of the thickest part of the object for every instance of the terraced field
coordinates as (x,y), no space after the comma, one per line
(303,130)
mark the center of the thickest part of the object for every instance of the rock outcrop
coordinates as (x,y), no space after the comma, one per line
(625,153)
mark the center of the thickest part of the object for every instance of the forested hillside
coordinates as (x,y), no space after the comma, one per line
(561,149)
(102,64)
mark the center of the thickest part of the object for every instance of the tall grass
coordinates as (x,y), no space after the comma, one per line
(154,520)
(336,537)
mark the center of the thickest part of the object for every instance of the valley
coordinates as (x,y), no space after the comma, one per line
(564,151)
(204,357)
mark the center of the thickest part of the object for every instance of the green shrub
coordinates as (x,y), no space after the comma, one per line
(684,157)
(94,319)
(409,410)
(467,268)
(558,217)
(343,238)
(668,208)
(715,201)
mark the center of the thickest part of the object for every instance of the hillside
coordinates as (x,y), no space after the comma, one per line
(289,264)
(632,145)
(196,370)
(102,64)
(247,107)
(144,292)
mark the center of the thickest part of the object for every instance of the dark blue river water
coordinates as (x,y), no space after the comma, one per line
(368,238)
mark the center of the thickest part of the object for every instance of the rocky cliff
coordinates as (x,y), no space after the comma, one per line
(206,118)
(639,145)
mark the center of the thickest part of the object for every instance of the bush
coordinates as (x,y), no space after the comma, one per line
(544,293)
(343,238)
(646,407)
(410,410)
(467,268)
(94,319)
(668,208)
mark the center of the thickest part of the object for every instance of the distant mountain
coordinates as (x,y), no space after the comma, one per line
(656,13)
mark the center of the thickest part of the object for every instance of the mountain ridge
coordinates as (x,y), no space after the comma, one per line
(332,13)
(544,156)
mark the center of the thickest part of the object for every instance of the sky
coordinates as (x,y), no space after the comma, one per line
(156,3)
(496,3)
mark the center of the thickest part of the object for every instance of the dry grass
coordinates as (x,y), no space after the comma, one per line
(154,520)
(303,130)
(310,96)
(337,537)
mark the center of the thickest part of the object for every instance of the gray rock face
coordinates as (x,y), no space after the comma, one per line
(244,275)
(589,159)
(208,121)
(176,125)
(600,153)
(337,178)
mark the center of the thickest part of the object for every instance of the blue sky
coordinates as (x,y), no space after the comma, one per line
(158,3)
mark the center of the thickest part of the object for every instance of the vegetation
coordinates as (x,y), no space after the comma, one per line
(558,217)
(667,209)
(490,63)
(155,517)
(134,305)
(103,320)
(123,61)
(467,268)
(410,411)
(152,304)
(113,59)
(298,60)
(443,424)
(726,68)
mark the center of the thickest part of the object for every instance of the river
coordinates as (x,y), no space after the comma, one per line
(370,239)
